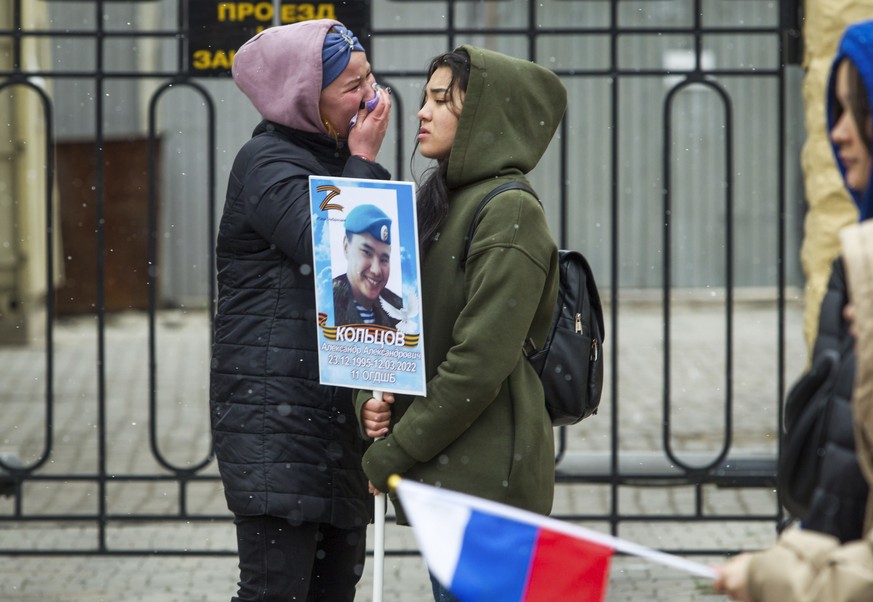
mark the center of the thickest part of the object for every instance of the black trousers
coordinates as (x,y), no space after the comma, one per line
(280,562)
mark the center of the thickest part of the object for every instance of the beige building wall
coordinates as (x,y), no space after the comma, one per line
(23,165)
(830,207)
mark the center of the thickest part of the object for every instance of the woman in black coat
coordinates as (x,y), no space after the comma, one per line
(289,450)
(840,496)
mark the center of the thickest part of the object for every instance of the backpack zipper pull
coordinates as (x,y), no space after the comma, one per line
(578,323)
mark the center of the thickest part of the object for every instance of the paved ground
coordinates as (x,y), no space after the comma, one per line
(698,389)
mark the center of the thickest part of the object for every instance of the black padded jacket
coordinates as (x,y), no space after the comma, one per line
(840,496)
(286,445)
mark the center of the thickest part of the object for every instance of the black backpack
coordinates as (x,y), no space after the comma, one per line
(816,421)
(570,364)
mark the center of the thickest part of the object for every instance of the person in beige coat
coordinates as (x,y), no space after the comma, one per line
(806,566)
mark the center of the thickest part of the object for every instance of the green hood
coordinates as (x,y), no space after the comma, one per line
(511,111)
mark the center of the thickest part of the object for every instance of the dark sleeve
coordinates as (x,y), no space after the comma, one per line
(361,168)
(833,329)
(276,196)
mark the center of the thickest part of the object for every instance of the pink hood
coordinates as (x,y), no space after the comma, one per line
(280,71)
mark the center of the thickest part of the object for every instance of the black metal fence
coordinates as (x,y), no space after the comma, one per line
(25,478)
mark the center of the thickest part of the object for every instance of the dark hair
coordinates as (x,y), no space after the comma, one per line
(859,106)
(433,194)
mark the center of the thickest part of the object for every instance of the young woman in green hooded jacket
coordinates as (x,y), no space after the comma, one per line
(482,429)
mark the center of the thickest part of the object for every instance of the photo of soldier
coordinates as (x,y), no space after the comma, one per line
(360,295)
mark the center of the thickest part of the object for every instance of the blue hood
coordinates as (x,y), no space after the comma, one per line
(856,45)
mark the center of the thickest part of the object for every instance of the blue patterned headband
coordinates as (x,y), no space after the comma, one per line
(336,52)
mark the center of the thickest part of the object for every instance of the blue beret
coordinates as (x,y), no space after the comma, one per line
(369,219)
(336,52)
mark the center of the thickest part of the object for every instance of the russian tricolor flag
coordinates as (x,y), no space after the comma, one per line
(483,551)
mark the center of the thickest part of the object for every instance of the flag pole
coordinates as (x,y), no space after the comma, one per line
(379,506)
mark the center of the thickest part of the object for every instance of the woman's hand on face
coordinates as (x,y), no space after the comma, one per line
(376,415)
(365,139)
(733,577)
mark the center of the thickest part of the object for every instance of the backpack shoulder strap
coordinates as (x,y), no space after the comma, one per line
(502,188)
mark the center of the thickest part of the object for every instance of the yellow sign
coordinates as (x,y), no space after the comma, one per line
(216,29)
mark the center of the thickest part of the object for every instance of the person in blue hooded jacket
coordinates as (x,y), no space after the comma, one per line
(288,448)
(838,501)
(809,564)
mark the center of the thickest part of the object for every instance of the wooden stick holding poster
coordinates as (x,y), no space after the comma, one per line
(367,297)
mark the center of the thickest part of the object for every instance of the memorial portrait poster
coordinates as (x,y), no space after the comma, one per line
(367,284)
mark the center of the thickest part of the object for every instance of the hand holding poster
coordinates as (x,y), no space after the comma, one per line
(367,284)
